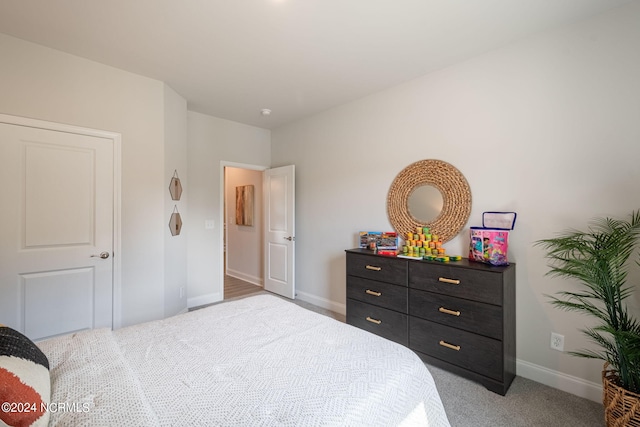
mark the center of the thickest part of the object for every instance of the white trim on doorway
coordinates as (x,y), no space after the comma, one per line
(221,203)
(117,171)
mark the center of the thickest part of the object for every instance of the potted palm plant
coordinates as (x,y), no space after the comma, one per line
(598,259)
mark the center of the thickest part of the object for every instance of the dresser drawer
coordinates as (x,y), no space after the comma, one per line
(472,284)
(382,294)
(470,351)
(390,270)
(472,316)
(380,321)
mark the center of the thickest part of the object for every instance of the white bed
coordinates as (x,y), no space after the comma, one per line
(255,361)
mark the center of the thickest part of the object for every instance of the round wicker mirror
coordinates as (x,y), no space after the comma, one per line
(456,195)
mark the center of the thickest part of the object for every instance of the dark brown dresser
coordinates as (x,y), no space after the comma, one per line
(459,315)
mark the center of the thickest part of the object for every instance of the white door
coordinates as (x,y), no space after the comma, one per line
(279,211)
(56,231)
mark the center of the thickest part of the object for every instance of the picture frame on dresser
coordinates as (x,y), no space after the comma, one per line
(459,316)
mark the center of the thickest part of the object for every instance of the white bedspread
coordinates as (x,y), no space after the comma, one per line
(256,361)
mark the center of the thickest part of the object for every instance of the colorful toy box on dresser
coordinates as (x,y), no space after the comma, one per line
(490,243)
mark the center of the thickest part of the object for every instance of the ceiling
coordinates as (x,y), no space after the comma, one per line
(232,58)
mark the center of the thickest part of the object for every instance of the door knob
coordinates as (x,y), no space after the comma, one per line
(289,238)
(103,255)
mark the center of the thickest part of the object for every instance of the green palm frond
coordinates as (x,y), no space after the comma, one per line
(598,260)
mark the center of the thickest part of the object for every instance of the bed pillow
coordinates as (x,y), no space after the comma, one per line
(25,385)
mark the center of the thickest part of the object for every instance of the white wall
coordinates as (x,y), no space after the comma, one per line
(175,160)
(212,142)
(244,243)
(46,84)
(547,127)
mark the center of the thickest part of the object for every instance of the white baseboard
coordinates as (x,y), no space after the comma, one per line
(322,302)
(204,300)
(242,276)
(561,381)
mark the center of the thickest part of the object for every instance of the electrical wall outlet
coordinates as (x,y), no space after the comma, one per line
(557,341)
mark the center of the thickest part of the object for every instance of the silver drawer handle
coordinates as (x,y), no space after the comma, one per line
(374,293)
(372,320)
(451,281)
(447,311)
(451,346)
(373,267)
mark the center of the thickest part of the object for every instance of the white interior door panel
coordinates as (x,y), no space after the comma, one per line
(58,218)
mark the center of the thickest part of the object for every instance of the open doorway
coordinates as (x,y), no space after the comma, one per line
(243,236)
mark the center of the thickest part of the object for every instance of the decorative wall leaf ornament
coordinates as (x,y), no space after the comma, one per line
(175,186)
(175,223)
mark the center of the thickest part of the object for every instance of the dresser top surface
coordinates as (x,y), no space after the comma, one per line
(463,263)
